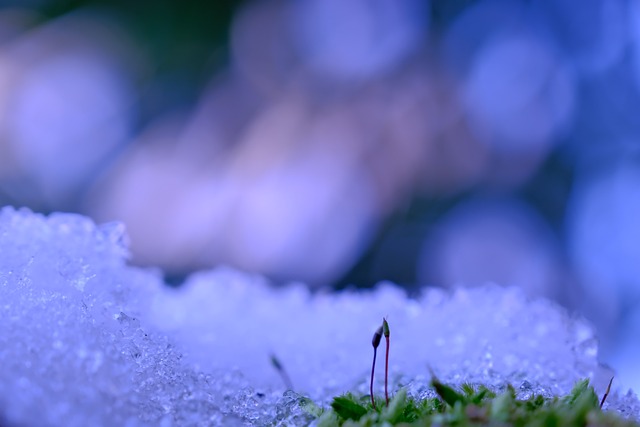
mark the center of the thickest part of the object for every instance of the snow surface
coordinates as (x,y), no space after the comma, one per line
(87,340)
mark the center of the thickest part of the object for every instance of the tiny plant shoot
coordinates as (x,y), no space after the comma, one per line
(283,373)
(377,336)
(606,393)
(385,329)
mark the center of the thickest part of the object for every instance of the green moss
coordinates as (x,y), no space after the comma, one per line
(471,406)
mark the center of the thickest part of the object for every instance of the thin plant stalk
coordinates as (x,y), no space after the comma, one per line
(283,373)
(385,329)
(606,393)
(377,336)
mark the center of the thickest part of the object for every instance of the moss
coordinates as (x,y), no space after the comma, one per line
(471,406)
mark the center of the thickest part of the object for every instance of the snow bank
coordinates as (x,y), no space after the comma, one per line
(87,340)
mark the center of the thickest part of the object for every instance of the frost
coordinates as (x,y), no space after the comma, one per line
(87,340)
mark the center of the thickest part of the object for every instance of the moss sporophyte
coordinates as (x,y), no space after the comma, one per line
(385,331)
(466,405)
(375,341)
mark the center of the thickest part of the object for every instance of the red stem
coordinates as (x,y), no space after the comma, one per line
(386,372)
(373,368)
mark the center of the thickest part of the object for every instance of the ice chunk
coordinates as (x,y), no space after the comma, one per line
(73,349)
(87,340)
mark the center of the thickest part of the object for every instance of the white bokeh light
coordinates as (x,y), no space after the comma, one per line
(357,39)
(519,93)
(604,232)
(71,106)
(486,241)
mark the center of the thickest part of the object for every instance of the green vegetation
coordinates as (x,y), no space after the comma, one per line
(470,406)
(463,406)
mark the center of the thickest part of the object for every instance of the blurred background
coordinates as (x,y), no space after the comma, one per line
(430,143)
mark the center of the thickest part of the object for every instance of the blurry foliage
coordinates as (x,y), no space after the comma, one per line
(186,41)
(394,254)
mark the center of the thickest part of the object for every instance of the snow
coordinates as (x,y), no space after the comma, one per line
(86,339)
